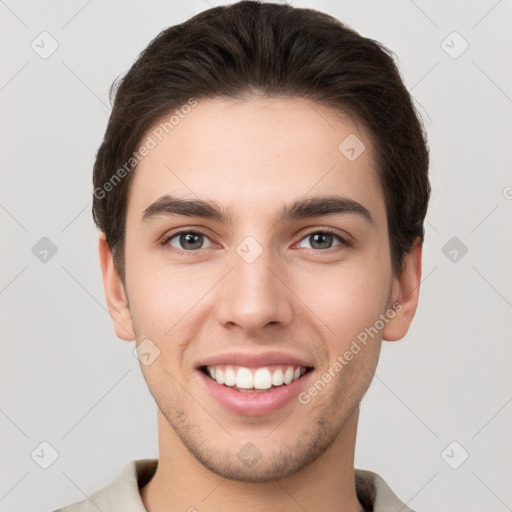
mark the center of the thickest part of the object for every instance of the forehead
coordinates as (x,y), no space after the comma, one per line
(256,154)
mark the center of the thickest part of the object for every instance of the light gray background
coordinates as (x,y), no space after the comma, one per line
(67,380)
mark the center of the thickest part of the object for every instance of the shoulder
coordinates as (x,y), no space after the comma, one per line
(375,494)
(121,494)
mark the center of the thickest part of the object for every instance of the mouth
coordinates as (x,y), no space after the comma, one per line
(254,380)
(254,385)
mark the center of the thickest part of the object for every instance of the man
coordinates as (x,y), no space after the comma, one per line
(260,191)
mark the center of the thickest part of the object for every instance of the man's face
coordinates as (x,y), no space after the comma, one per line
(256,286)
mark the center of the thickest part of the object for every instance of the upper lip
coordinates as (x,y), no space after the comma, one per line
(254,360)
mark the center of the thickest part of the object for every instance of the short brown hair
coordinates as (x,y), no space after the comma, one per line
(271,50)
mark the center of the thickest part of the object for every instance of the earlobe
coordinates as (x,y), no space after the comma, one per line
(406,288)
(114,292)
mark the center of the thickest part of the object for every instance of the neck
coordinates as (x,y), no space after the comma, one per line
(182,483)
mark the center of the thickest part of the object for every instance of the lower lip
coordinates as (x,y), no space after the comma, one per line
(254,404)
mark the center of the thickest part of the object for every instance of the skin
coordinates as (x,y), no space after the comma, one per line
(251,157)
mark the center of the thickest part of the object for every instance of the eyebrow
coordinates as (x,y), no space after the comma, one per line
(167,206)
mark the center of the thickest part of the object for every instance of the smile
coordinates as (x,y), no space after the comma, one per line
(254,379)
(251,400)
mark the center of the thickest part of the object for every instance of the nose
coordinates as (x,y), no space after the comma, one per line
(255,294)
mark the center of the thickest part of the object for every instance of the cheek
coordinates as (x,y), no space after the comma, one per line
(159,297)
(347,299)
(159,314)
(167,306)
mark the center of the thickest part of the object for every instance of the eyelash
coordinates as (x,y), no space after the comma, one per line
(165,241)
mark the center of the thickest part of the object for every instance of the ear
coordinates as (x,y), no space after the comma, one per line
(114,292)
(405,292)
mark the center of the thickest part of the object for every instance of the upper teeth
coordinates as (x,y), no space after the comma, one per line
(255,378)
